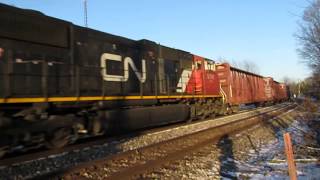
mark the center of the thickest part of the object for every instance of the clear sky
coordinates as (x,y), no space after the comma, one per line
(254,30)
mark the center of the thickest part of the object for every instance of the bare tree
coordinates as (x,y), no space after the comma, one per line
(245,65)
(287,80)
(309,36)
(309,39)
(249,66)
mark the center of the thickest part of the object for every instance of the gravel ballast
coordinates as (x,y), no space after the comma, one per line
(44,165)
(257,153)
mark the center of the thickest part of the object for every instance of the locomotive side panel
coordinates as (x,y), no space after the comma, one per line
(107,65)
(173,67)
(34,47)
(203,79)
(34,70)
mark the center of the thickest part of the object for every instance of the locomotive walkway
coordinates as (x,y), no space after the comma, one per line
(138,162)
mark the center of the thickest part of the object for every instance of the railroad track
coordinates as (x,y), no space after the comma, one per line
(19,158)
(138,162)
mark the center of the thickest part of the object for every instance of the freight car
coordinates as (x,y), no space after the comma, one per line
(281,93)
(60,82)
(241,87)
(275,91)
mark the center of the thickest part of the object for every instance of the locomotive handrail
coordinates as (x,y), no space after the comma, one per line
(223,94)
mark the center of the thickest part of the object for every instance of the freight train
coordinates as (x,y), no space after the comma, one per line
(60,82)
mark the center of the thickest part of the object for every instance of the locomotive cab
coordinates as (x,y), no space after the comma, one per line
(203,78)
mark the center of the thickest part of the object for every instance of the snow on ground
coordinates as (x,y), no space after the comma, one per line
(269,162)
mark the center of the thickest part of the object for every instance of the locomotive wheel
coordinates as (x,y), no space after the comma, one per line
(59,138)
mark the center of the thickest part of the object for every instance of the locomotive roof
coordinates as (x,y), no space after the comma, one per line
(29,12)
(157,44)
(91,32)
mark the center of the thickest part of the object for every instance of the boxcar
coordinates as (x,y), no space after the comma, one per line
(281,93)
(242,87)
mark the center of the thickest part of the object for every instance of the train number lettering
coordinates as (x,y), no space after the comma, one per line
(127,62)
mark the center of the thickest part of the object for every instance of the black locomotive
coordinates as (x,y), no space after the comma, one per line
(60,82)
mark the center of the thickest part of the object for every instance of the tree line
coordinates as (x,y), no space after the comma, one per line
(309,40)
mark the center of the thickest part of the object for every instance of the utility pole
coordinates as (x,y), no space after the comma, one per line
(85,13)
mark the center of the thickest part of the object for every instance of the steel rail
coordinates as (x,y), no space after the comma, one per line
(20,158)
(170,149)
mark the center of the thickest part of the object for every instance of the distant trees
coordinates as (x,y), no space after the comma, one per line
(294,86)
(312,87)
(309,87)
(309,39)
(300,88)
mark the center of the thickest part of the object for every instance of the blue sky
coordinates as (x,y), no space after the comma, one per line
(258,31)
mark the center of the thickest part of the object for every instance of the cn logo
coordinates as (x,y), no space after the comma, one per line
(127,62)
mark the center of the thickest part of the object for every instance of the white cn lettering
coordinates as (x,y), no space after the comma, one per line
(127,62)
